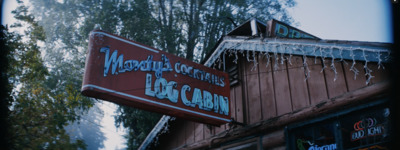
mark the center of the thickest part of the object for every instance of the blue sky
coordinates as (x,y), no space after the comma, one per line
(8,6)
(355,20)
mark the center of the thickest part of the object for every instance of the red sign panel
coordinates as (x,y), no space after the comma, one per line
(136,75)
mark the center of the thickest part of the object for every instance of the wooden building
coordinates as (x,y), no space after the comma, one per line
(291,90)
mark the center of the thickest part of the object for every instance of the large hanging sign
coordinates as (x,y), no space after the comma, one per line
(136,75)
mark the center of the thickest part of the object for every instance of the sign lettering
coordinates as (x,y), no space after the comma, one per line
(282,30)
(366,128)
(302,144)
(132,74)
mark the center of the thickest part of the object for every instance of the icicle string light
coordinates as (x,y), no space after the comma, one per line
(283,51)
(266,54)
(254,61)
(341,54)
(380,61)
(233,48)
(333,64)
(230,52)
(352,68)
(236,58)
(290,56)
(367,70)
(276,58)
(305,65)
(315,55)
(323,60)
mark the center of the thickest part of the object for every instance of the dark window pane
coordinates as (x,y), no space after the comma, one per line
(365,130)
(320,136)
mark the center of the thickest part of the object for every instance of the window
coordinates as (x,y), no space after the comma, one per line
(366,130)
(321,136)
(361,128)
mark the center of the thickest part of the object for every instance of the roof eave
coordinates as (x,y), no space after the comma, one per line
(336,49)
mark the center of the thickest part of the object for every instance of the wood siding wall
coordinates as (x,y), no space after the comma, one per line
(267,90)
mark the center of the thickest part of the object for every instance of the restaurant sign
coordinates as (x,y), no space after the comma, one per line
(136,75)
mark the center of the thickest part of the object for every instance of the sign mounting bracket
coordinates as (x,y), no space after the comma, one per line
(234,122)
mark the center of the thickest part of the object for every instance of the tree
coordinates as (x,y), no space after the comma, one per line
(6,87)
(194,26)
(39,111)
(36,119)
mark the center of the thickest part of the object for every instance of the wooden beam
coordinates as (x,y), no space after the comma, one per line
(273,139)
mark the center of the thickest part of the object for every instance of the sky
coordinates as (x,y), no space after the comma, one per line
(115,139)
(354,20)
(7,7)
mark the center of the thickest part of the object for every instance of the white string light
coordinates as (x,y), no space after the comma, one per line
(287,50)
(379,60)
(290,56)
(323,60)
(276,58)
(352,68)
(367,70)
(282,53)
(333,64)
(254,61)
(267,56)
(305,65)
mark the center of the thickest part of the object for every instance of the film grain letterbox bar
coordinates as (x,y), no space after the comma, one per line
(136,75)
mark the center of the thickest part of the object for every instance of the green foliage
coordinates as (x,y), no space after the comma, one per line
(40,110)
(5,86)
(37,116)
